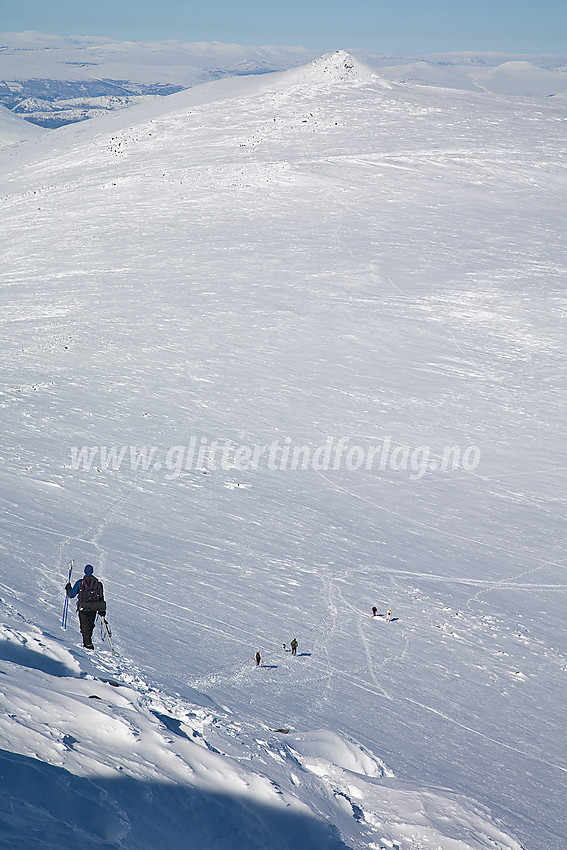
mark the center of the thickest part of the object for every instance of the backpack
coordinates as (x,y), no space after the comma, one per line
(91,595)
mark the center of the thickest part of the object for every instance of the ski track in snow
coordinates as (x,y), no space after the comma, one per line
(292,258)
(492,740)
(136,730)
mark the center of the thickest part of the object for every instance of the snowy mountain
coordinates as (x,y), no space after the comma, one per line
(278,349)
(53,81)
(515,78)
(85,58)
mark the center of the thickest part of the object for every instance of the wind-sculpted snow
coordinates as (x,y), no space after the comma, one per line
(93,759)
(36,651)
(278,351)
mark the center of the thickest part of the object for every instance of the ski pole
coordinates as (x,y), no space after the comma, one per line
(108,633)
(66,603)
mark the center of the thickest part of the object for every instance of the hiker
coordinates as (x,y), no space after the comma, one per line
(293,645)
(374,610)
(389,615)
(90,603)
(258,658)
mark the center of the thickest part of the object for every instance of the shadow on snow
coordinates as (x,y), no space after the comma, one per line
(48,807)
(17,653)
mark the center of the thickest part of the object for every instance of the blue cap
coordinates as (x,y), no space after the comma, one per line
(89,570)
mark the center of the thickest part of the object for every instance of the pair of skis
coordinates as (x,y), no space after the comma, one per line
(105,629)
(66,603)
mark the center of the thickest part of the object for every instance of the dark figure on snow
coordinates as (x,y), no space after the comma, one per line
(258,658)
(293,645)
(374,610)
(90,603)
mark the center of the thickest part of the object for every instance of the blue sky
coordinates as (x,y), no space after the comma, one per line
(393,26)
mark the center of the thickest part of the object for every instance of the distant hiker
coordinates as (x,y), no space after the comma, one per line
(389,615)
(258,658)
(90,603)
(284,647)
(293,645)
(374,610)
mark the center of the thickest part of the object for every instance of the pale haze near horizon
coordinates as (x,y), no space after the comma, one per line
(518,26)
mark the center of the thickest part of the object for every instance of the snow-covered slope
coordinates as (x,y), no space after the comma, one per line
(14,129)
(98,761)
(53,81)
(248,331)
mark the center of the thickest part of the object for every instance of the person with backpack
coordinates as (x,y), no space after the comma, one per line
(90,603)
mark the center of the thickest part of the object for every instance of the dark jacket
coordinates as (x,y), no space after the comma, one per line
(75,589)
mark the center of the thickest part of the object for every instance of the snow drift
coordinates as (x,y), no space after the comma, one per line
(91,760)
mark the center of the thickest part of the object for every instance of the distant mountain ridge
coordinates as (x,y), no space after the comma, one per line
(53,80)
